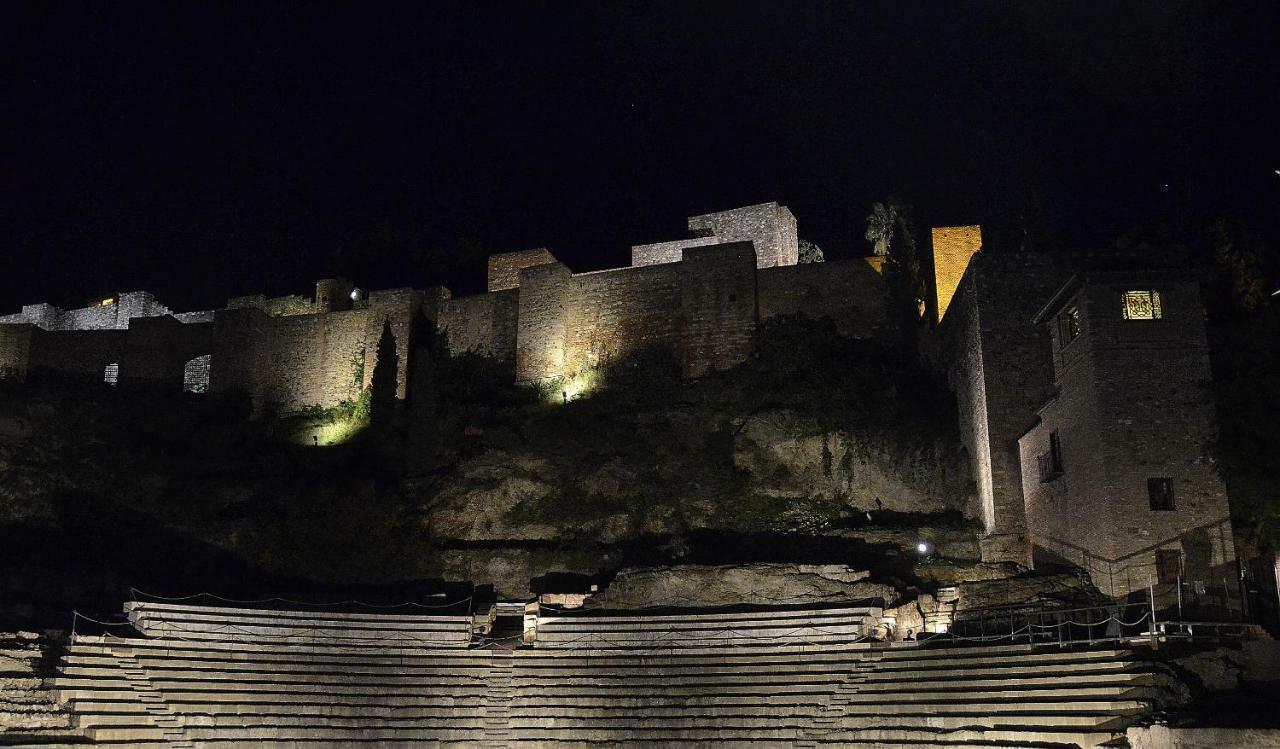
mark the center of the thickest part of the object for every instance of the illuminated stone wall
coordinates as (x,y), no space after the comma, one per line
(542,324)
(483,323)
(1132,404)
(849,292)
(114,316)
(505,268)
(953,246)
(615,312)
(771,227)
(667,252)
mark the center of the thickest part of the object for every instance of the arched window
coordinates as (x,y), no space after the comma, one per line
(195,375)
(111,374)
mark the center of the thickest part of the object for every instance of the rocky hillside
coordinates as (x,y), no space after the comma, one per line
(821,450)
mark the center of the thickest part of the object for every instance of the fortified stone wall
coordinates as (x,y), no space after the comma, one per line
(505,268)
(667,252)
(615,312)
(113,316)
(275,306)
(542,325)
(718,301)
(15,351)
(770,226)
(483,323)
(849,292)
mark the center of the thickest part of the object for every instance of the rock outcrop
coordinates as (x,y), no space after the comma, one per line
(689,585)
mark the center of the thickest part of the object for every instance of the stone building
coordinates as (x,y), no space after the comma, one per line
(1115,473)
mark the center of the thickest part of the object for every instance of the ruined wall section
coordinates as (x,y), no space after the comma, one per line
(114,316)
(667,252)
(505,268)
(616,312)
(770,226)
(542,324)
(849,292)
(718,303)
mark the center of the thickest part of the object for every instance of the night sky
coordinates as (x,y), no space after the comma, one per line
(202,150)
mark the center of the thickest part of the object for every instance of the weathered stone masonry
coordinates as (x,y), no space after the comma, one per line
(703,296)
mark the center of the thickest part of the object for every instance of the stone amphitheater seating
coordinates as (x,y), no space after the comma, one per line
(242,690)
(737,625)
(187,622)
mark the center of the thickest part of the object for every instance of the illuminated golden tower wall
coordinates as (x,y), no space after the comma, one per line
(953,246)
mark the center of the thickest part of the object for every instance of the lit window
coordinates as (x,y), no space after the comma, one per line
(1069,324)
(1141,305)
(111,374)
(1160,494)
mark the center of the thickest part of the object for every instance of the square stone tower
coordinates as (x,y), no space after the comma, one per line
(1116,474)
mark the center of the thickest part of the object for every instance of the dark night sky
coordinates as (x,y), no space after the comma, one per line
(204,150)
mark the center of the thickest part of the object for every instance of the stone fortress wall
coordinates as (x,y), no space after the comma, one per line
(704,296)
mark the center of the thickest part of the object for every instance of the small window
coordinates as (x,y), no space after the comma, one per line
(1141,305)
(733,297)
(1160,492)
(111,374)
(1069,324)
(1051,462)
(1168,565)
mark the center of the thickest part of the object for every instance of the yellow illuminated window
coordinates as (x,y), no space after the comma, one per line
(1141,305)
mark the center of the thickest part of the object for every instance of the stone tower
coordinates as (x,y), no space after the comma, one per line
(1115,474)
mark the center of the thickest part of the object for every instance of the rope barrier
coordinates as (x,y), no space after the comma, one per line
(204,594)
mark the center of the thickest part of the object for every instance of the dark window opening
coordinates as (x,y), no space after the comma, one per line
(111,374)
(1051,462)
(1168,565)
(1160,493)
(1069,324)
(733,297)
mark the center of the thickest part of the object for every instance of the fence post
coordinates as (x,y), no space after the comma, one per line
(1151,596)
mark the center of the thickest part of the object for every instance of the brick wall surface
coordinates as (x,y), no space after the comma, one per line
(505,268)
